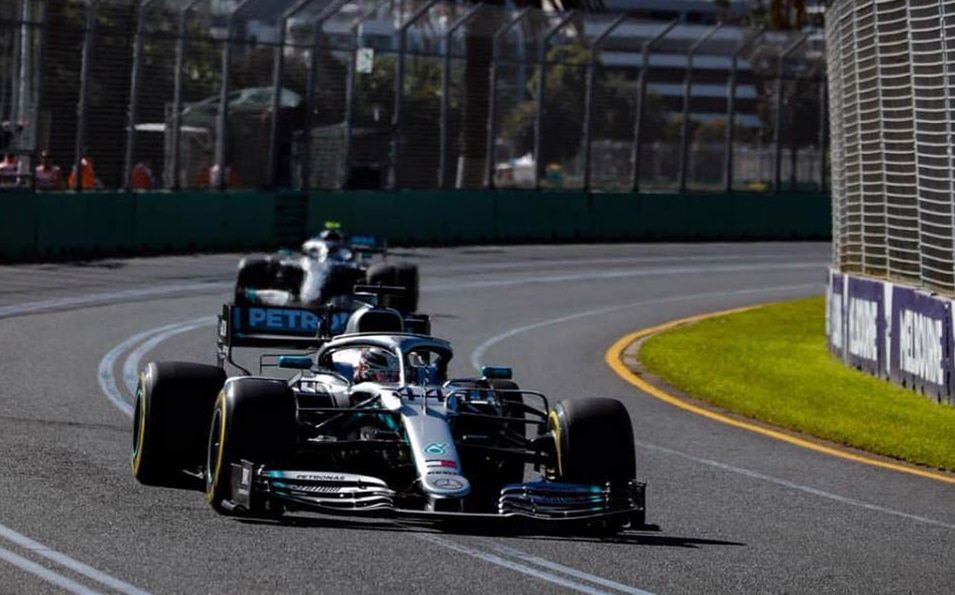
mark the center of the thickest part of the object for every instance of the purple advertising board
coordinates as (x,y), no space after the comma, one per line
(835,314)
(921,342)
(864,314)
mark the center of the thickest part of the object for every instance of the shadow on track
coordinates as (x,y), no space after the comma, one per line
(644,536)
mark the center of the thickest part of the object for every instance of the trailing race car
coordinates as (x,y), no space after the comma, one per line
(328,265)
(369,424)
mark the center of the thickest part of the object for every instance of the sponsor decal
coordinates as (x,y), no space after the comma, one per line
(436,448)
(282,320)
(920,346)
(442,463)
(447,483)
(863,328)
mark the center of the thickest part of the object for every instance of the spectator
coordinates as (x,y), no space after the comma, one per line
(48,176)
(232,178)
(87,177)
(8,170)
(141,177)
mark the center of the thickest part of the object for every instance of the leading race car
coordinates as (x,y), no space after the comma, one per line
(370,424)
(328,266)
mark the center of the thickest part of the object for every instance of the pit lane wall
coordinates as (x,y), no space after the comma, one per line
(892,331)
(75,225)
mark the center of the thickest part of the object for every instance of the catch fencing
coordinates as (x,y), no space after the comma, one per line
(892,85)
(892,79)
(407,94)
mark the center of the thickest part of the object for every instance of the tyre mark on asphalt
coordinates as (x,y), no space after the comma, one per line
(142,343)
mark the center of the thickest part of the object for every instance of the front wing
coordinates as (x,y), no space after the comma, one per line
(362,495)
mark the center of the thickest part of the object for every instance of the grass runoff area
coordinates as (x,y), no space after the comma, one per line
(771,364)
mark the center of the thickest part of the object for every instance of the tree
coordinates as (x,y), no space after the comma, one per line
(478,52)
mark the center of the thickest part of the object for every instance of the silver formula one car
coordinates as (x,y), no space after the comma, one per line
(369,424)
(327,266)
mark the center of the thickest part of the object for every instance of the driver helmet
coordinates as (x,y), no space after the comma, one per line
(330,235)
(376,365)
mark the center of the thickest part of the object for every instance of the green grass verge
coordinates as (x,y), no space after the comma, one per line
(771,364)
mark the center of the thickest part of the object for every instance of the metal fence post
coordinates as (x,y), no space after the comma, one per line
(492,96)
(637,150)
(350,84)
(687,90)
(823,137)
(177,93)
(446,92)
(311,79)
(541,95)
(222,128)
(278,72)
(589,96)
(778,116)
(730,133)
(38,98)
(133,106)
(397,114)
(85,74)
(16,63)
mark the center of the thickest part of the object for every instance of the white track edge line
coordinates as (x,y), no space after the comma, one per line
(44,573)
(509,564)
(586,576)
(64,560)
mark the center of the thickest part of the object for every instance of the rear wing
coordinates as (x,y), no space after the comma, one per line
(270,326)
(368,244)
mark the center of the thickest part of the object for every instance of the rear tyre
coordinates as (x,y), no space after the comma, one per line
(406,275)
(255,272)
(253,420)
(170,420)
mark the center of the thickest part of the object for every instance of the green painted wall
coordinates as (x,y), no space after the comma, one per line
(66,225)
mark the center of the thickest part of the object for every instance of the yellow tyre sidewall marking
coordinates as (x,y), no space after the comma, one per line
(221,405)
(554,423)
(613,358)
(137,459)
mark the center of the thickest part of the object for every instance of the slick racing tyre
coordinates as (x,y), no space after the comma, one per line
(253,420)
(406,275)
(402,275)
(594,441)
(171,419)
(255,272)
(594,445)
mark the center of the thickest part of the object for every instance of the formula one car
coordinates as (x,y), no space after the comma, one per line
(328,265)
(370,425)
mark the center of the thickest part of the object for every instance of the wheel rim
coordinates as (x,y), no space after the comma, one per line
(214,457)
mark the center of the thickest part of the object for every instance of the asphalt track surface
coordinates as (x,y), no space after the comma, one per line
(737,512)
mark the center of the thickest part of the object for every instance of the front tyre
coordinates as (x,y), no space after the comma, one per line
(173,406)
(594,441)
(253,420)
